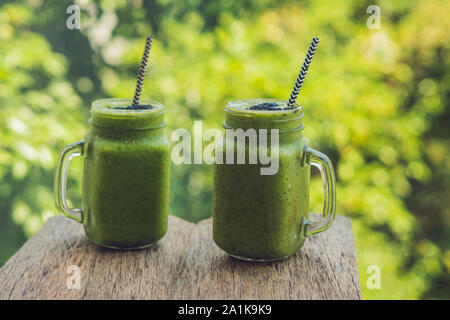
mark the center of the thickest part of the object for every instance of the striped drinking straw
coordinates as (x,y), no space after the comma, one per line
(303,70)
(141,72)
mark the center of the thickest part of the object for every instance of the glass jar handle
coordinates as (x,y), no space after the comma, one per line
(67,154)
(322,162)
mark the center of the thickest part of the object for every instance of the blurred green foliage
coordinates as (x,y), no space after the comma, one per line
(376,101)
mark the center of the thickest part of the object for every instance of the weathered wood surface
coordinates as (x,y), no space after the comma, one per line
(186,264)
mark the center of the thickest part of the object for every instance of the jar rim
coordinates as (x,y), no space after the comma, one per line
(108,107)
(238,115)
(104,113)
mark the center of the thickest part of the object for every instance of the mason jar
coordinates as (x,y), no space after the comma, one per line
(262,214)
(126,174)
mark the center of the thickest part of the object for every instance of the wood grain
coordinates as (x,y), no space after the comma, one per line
(185,264)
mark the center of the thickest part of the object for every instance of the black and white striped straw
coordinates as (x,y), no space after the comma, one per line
(141,72)
(303,70)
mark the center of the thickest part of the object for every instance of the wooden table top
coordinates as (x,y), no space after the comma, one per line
(185,264)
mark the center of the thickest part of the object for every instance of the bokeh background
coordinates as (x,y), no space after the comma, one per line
(376,101)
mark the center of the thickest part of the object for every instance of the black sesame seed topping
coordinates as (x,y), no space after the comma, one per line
(138,107)
(269,106)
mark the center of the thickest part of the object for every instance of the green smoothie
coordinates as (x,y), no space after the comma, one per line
(126,175)
(260,217)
